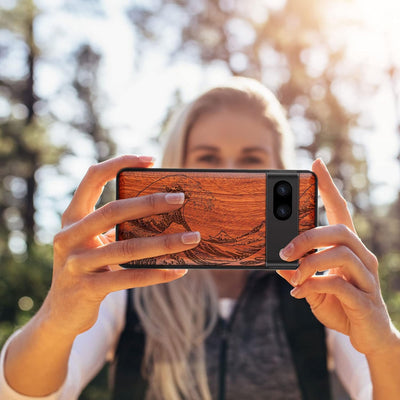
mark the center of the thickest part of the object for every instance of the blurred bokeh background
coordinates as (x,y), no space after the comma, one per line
(82,81)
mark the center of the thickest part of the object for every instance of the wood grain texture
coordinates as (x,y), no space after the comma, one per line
(227,208)
(307,201)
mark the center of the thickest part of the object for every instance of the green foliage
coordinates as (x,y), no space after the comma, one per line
(25,147)
(390,283)
(25,275)
(98,389)
(277,45)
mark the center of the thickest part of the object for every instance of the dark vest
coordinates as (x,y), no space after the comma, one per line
(305,339)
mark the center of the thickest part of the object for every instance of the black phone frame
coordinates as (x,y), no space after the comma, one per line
(273,243)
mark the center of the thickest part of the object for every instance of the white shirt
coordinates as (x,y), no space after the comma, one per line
(94,347)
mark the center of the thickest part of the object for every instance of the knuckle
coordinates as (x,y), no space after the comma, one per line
(304,237)
(345,253)
(126,248)
(59,240)
(374,260)
(169,243)
(343,229)
(133,276)
(72,264)
(151,202)
(337,282)
(92,170)
(107,211)
(306,264)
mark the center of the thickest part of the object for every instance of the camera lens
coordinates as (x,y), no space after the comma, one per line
(283,211)
(283,188)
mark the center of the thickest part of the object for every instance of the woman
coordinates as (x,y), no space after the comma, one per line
(239,126)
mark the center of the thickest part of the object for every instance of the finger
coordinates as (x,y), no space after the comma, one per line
(340,257)
(131,249)
(326,236)
(118,211)
(286,274)
(316,299)
(336,208)
(128,278)
(108,237)
(347,294)
(115,267)
(91,186)
(336,318)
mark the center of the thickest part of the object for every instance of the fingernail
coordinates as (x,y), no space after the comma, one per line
(295,291)
(146,158)
(296,278)
(180,272)
(191,237)
(286,252)
(175,198)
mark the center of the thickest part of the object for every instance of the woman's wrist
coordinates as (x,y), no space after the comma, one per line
(384,367)
(390,347)
(36,361)
(50,326)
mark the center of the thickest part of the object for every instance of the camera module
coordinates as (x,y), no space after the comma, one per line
(283,188)
(282,200)
(284,211)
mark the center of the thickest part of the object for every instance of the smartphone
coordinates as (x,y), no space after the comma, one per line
(244,216)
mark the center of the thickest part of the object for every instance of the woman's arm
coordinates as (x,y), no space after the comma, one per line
(88,353)
(384,366)
(86,269)
(351,366)
(36,361)
(347,298)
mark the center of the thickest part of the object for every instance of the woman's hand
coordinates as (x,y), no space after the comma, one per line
(86,260)
(348,297)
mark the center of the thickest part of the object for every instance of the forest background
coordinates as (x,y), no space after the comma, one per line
(85,80)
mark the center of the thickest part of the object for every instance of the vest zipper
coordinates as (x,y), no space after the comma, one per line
(226,329)
(222,360)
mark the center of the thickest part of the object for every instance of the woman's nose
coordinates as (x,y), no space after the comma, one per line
(229,164)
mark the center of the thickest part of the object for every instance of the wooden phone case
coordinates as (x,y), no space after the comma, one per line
(230,208)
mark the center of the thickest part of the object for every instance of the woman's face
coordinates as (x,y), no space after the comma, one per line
(230,139)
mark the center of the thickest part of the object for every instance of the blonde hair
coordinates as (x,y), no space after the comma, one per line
(178,316)
(244,94)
